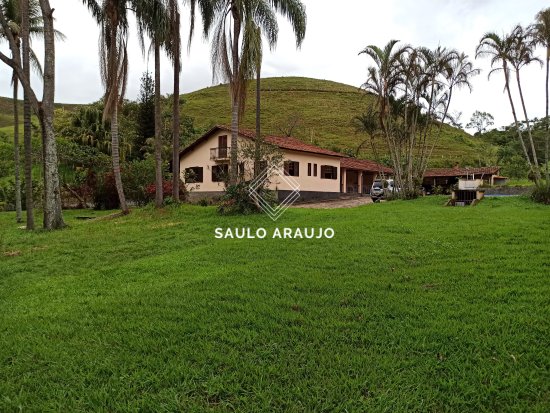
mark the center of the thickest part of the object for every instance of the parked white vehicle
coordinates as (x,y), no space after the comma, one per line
(382,188)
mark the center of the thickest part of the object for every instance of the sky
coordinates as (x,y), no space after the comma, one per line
(334,37)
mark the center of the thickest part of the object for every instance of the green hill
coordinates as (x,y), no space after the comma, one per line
(321,111)
(317,111)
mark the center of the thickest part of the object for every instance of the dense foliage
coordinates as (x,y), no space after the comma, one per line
(508,150)
(84,148)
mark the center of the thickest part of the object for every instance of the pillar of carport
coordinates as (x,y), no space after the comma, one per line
(344,180)
(360,182)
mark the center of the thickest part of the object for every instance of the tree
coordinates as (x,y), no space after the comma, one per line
(20,63)
(146,115)
(236,26)
(12,11)
(413,89)
(498,49)
(542,36)
(480,121)
(112,17)
(175,53)
(522,54)
(152,19)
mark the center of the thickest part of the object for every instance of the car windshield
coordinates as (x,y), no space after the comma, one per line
(377,185)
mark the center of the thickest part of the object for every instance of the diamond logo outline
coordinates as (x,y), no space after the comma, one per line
(274,212)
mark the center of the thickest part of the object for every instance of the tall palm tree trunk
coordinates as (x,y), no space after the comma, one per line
(547,141)
(176,115)
(536,170)
(27,138)
(516,123)
(258,123)
(116,159)
(235,85)
(158,138)
(53,216)
(18,212)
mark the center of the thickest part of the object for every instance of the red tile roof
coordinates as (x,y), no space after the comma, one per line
(364,165)
(431,173)
(287,143)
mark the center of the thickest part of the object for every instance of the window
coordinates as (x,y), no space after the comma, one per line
(329,172)
(222,141)
(314,169)
(240,167)
(193,175)
(292,168)
(308,169)
(220,172)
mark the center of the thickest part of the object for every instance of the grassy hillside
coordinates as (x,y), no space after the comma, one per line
(323,110)
(161,316)
(6,112)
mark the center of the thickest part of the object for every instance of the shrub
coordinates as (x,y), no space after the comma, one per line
(167,192)
(203,202)
(105,193)
(541,194)
(237,201)
(7,193)
(136,176)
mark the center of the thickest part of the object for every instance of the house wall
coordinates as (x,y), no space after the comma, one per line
(200,157)
(310,183)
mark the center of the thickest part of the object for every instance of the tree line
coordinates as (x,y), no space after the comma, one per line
(414,87)
(236,29)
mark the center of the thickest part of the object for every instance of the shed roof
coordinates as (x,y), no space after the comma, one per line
(457,171)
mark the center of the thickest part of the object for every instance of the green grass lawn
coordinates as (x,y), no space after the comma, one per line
(412,306)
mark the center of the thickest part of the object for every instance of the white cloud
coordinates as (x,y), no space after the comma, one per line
(334,37)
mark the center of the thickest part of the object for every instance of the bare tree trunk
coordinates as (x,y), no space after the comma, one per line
(234,142)
(547,141)
(27,138)
(159,195)
(53,216)
(176,116)
(18,212)
(536,170)
(257,143)
(235,85)
(116,159)
(516,123)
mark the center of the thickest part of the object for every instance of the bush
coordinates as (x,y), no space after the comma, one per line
(541,194)
(7,193)
(167,192)
(136,177)
(105,193)
(237,200)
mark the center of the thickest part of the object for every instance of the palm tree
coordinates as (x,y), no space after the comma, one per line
(542,33)
(12,12)
(112,17)
(521,54)
(499,49)
(254,54)
(383,81)
(152,19)
(175,53)
(20,63)
(457,74)
(236,23)
(27,139)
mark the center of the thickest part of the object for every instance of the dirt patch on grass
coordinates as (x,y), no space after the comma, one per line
(337,203)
